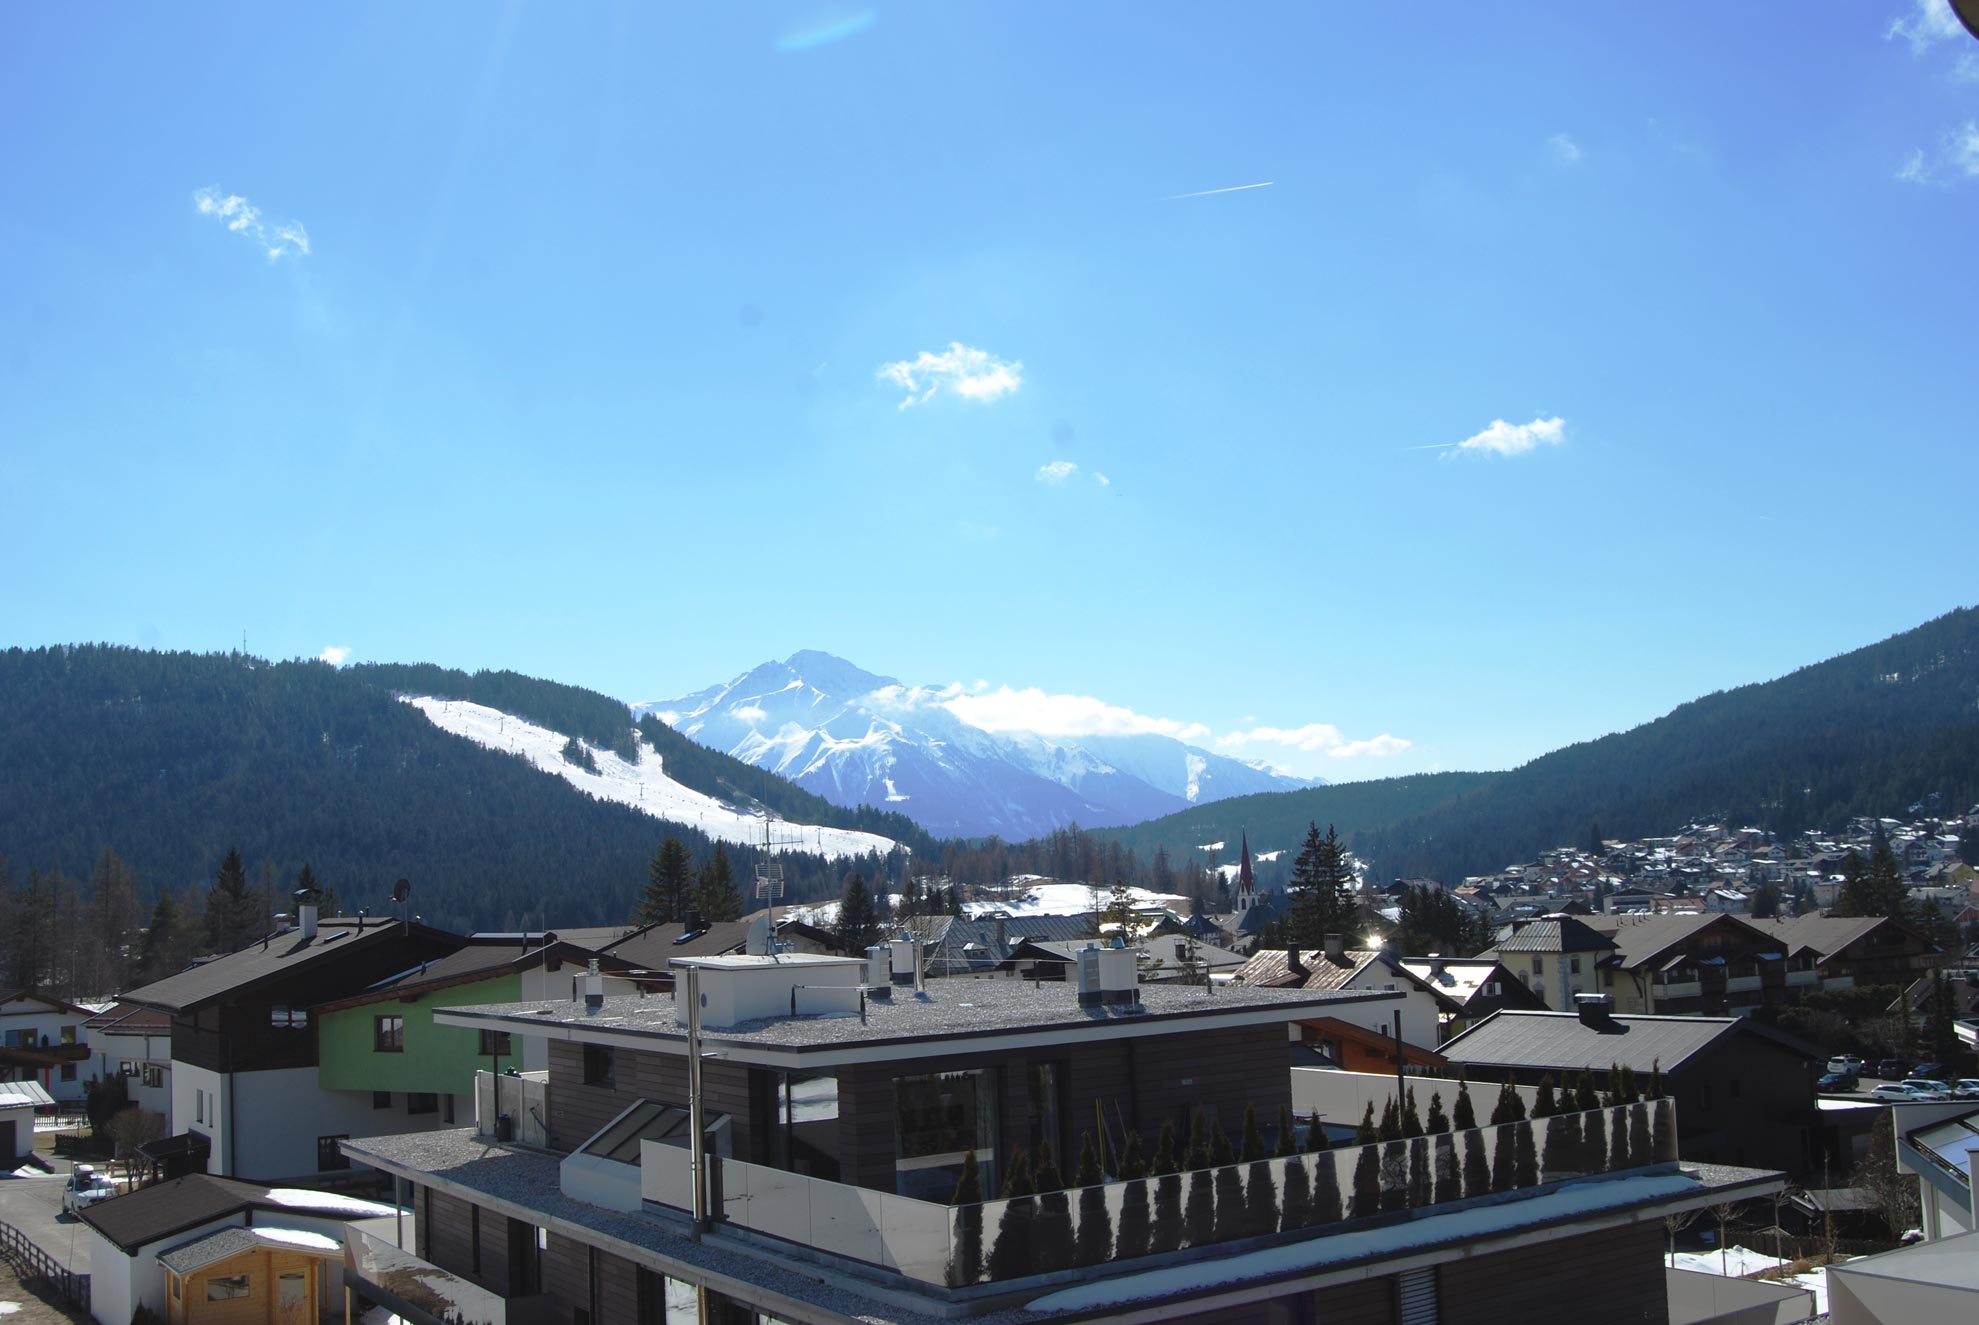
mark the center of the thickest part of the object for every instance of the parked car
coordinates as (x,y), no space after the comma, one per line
(1838,1083)
(1935,1071)
(1893,1069)
(85,1188)
(1895,1092)
(1930,1086)
(1846,1064)
(1966,1088)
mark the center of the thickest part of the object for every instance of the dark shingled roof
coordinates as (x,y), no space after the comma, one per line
(1554,933)
(280,954)
(1271,968)
(130,1019)
(165,1209)
(1822,935)
(1556,1040)
(1640,940)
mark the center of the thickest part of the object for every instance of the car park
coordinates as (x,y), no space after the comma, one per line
(1935,1071)
(1930,1086)
(1895,1092)
(85,1188)
(1893,1069)
(1838,1083)
(1846,1065)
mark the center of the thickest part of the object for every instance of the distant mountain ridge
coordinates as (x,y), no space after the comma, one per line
(856,737)
(1869,732)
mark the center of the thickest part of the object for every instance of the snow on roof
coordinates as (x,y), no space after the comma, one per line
(300,1198)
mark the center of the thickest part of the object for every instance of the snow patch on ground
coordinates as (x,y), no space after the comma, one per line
(1039,898)
(644,785)
(9,1308)
(1262,856)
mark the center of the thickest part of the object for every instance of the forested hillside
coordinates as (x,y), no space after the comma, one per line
(170,759)
(1870,732)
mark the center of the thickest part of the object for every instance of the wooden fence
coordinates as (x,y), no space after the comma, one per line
(32,1264)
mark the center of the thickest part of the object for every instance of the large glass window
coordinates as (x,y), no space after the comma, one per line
(939,1118)
(1045,1080)
(807,1124)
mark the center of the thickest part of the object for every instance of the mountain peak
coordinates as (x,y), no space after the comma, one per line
(831,675)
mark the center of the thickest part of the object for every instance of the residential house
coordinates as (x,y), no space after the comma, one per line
(246,1099)
(135,1042)
(1555,956)
(378,1049)
(200,1248)
(42,1039)
(19,1102)
(837,1125)
(1851,951)
(1715,964)
(1744,1092)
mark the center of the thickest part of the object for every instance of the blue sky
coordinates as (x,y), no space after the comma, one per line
(632,345)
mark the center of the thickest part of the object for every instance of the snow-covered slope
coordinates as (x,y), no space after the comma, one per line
(643,786)
(855,737)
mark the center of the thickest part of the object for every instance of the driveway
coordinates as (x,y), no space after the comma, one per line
(34,1206)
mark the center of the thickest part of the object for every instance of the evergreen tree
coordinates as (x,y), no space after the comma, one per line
(1367,1134)
(1231,1216)
(1556,1159)
(1421,1178)
(1166,1170)
(576,752)
(1477,1173)
(1391,1122)
(1437,1123)
(1051,1234)
(967,1267)
(669,885)
(231,909)
(1640,1150)
(1367,1182)
(1199,1213)
(1543,1105)
(1197,1156)
(1296,1211)
(1326,1206)
(1765,901)
(1510,1107)
(1503,1149)
(1394,1174)
(1260,1199)
(714,891)
(1525,1165)
(1095,1236)
(1315,1133)
(1585,1096)
(1010,1258)
(1135,1237)
(1411,1120)
(1618,1141)
(165,948)
(1288,1142)
(1449,1182)
(857,927)
(1322,892)
(1251,1145)
(1464,1117)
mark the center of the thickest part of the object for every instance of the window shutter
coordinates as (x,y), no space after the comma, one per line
(1416,1290)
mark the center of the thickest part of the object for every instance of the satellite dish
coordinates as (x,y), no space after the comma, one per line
(401,890)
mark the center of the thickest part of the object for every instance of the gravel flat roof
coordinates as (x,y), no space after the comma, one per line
(952,1009)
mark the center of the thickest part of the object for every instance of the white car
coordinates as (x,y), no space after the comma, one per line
(1935,1089)
(1899,1092)
(1849,1065)
(1966,1088)
(85,1188)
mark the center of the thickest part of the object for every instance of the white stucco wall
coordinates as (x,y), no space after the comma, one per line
(37,1021)
(189,1113)
(23,1120)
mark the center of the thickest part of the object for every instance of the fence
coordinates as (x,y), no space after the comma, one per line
(31,1263)
(1015,1237)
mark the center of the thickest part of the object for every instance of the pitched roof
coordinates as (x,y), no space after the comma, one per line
(59,1004)
(651,948)
(229,1242)
(130,1019)
(277,955)
(1271,968)
(473,963)
(164,1209)
(23,1094)
(1825,935)
(1563,1040)
(1553,933)
(1640,940)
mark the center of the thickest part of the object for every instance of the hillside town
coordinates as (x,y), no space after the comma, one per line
(651,1122)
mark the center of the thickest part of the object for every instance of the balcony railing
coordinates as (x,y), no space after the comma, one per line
(1014,1238)
(1740,984)
(1808,977)
(407,1284)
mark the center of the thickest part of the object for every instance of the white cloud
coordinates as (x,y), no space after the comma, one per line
(1963,149)
(244,218)
(1102,479)
(1032,710)
(959,370)
(1913,170)
(1510,439)
(748,713)
(1057,471)
(1957,157)
(334,655)
(1930,22)
(1316,738)
(1565,150)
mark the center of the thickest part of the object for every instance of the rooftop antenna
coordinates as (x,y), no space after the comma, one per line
(402,893)
(769,879)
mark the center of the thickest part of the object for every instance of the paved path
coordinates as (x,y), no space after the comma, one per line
(34,1206)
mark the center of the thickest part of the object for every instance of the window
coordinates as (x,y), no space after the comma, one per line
(127,1067)
(154,1075)
(420,1101)
(599,1066)
(288,1018)
(1539,966)
(68,1035)
(291,1290)
(381,1099)
(494,1043)
(447,1109)
(68,1071)
(388,1035)
(1573,965)
(223,1288)
(328,1157)
(938,1119)
(806,1136)
(199,1106)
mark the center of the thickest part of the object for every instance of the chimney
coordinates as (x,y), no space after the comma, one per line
(594,988)
(306,914)
(1002,935)
(879,969)
(1596,1010)
(1292,962)
(1436,964)
(1336,947)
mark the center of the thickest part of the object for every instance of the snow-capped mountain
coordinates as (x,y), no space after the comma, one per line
(855,738)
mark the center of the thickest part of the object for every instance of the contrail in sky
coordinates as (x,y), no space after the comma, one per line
(1235,188)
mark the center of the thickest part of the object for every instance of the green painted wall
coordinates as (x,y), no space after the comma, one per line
(439,1059)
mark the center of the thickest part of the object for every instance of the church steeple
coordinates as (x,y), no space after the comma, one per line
(1246,886)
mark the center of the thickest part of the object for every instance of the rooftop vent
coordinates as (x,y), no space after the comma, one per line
(1595,1009)
(1109,977)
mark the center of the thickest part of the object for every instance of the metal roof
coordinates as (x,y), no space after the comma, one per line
(278,954)
(24,1094)
(1552,933)
(1562,1040)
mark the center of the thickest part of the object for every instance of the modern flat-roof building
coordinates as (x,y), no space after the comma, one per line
(843,1117)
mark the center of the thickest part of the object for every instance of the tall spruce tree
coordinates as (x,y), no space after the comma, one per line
(231,909)
(669,885)
(857,927)
(1322,887)
(715,896)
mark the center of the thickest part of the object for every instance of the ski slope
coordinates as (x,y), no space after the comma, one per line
(644,785)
